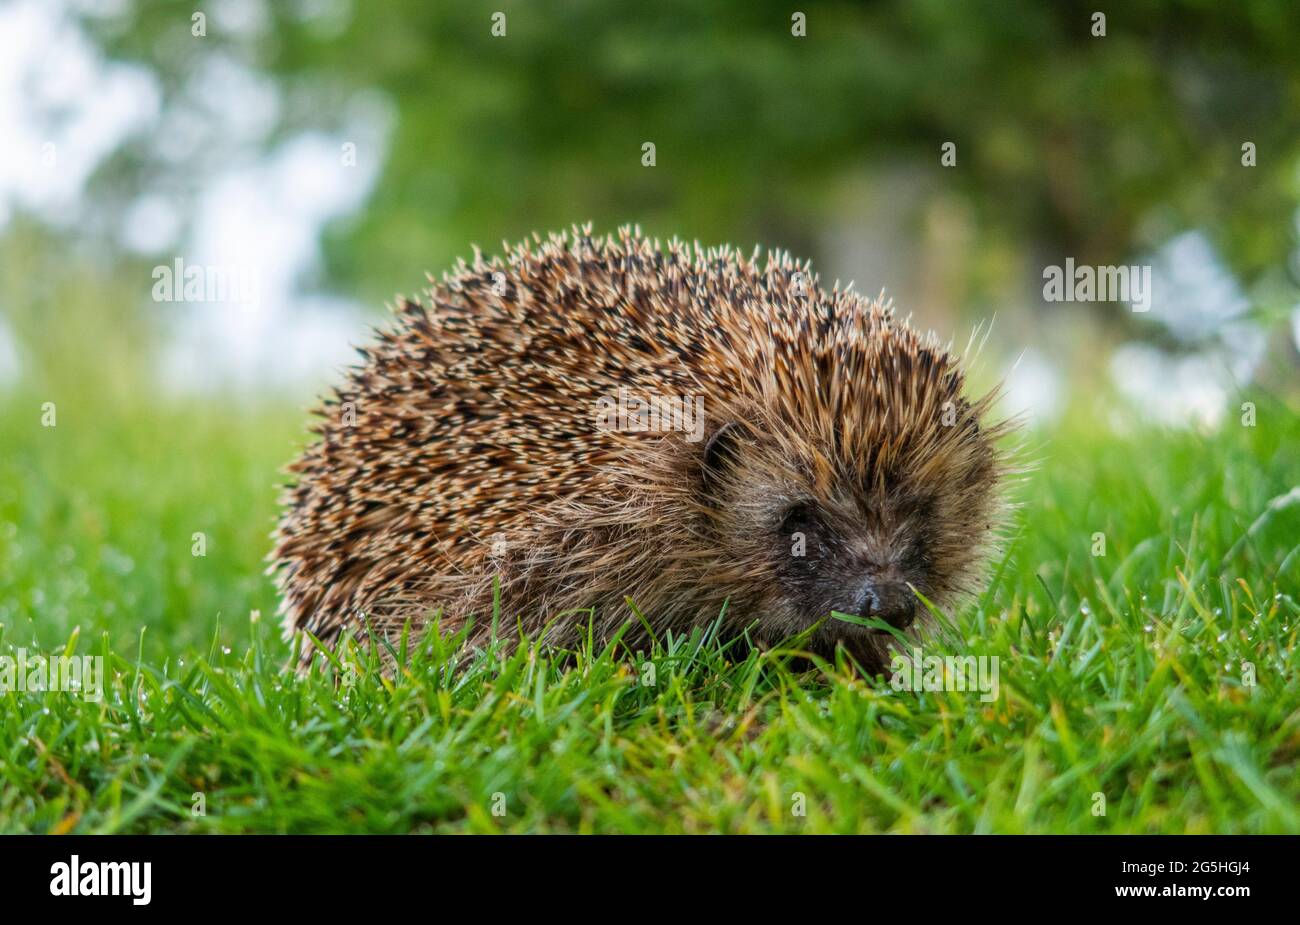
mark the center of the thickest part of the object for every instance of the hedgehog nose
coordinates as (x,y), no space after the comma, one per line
(891,601)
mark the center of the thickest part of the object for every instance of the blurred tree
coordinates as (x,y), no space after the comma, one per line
(1094,146)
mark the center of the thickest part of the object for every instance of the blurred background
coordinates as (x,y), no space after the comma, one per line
(320,156)
(333,152)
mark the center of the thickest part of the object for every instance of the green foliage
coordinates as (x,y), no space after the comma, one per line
(1120,675)
(1099,147)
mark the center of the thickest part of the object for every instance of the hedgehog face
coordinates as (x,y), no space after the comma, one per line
(817,535)
(861,559)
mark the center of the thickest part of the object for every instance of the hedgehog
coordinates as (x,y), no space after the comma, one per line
(605,436)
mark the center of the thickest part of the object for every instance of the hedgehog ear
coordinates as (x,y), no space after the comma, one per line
(720,452)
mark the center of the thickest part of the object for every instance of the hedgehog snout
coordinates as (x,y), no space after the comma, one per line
(891,601)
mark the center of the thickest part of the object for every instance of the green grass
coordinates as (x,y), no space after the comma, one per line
(1120,675)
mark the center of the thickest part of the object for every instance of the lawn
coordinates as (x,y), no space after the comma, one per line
(1152,689)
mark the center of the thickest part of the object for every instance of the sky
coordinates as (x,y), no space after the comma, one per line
(262,215)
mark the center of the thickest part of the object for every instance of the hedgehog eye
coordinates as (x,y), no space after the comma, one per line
(720,452)
(800,518)
(721,446)
(916,558)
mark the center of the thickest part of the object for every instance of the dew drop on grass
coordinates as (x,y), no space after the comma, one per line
(1222,636)
(1149,628)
